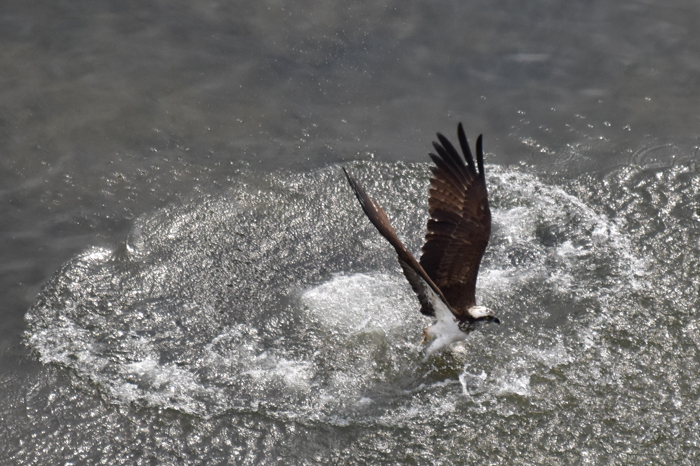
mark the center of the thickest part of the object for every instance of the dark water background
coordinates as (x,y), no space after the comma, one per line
(186,280)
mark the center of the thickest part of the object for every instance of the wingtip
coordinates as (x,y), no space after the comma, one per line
(443,140)
(464,144)
(357,190)
(480,154)
(460,131)
(351,180)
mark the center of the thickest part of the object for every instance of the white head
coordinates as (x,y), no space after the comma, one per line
(484,315)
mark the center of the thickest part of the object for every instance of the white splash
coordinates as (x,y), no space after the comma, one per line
(362,302)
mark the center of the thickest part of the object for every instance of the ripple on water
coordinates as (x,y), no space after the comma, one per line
(279,298)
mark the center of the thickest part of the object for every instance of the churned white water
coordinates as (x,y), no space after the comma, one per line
(220,307)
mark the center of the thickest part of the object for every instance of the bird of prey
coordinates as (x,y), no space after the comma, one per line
(458,232)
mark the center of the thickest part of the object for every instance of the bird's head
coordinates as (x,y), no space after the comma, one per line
(483,315)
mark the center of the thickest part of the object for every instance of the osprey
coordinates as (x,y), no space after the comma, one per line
(458,232)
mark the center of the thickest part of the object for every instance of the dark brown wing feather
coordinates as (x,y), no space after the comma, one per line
(417,277)
(460,222)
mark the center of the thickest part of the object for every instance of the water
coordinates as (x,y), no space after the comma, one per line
(187,278)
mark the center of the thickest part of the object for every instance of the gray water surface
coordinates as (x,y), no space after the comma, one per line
(187,279)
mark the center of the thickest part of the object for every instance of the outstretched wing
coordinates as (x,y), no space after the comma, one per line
(460,221)
(421,283)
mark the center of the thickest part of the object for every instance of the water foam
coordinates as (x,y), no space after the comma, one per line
(201,311)
(361,302)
